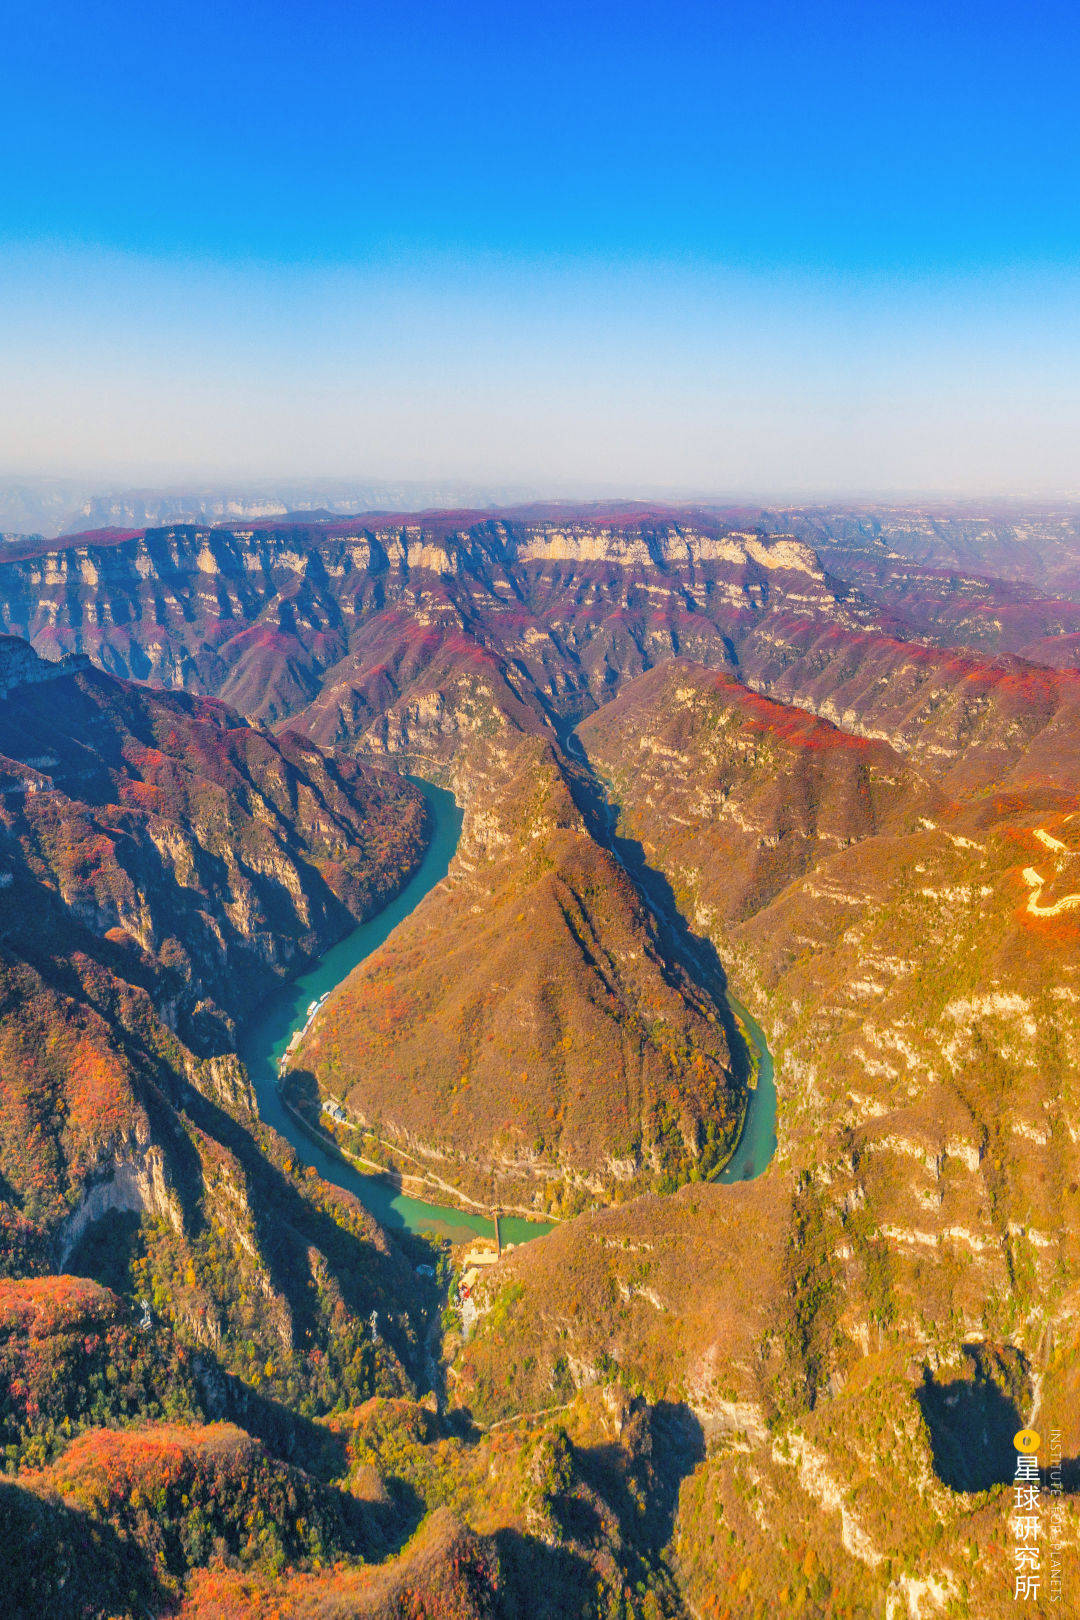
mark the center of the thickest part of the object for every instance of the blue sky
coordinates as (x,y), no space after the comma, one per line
(768,248)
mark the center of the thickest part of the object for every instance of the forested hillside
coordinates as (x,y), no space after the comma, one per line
(692,758)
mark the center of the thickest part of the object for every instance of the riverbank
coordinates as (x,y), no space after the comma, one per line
(397,1199)
(266,1036)
(756,1141)
(415,1187)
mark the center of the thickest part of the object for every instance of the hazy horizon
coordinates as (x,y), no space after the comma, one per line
(55,500)
(808,254)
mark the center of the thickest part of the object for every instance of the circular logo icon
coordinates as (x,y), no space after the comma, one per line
(1026,1441)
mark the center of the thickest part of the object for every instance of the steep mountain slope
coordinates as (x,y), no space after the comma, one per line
(960,609)
(878,837)
(164,1498)
(1028,542)
(438,695)
(349,627)
(163,863)
(446,1571)
(218,857)
(970,721)
(898,1293)
(921,1010)
(525,1031)
(453,646)
(777,789)
(131,1153)
(268,618)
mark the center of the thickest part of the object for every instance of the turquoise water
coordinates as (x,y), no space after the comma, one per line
(757,1139)
(264,1039)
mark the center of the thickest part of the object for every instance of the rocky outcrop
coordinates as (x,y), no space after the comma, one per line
(135,1182)
(261,616)
(19,666)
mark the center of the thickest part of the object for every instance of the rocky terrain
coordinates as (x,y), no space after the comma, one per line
(828,758)
(548,1049)
(925,1184)
(1036,544)
(164,863)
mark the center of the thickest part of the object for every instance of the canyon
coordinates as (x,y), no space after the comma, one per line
(810,756)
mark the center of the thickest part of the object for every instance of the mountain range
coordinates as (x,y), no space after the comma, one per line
(822,763)
(49,506)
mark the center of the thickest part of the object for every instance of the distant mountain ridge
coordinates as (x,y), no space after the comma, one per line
(1036,543)
(52,507)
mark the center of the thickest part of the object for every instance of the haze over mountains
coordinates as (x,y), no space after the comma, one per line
(828,758)
(1033,541)
(50,507)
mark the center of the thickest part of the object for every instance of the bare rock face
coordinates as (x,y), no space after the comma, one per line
(357,630)
(136,1181)
(261,617)
(21,667)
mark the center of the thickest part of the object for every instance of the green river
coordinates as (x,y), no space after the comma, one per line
(757,1139)
(266,1036)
